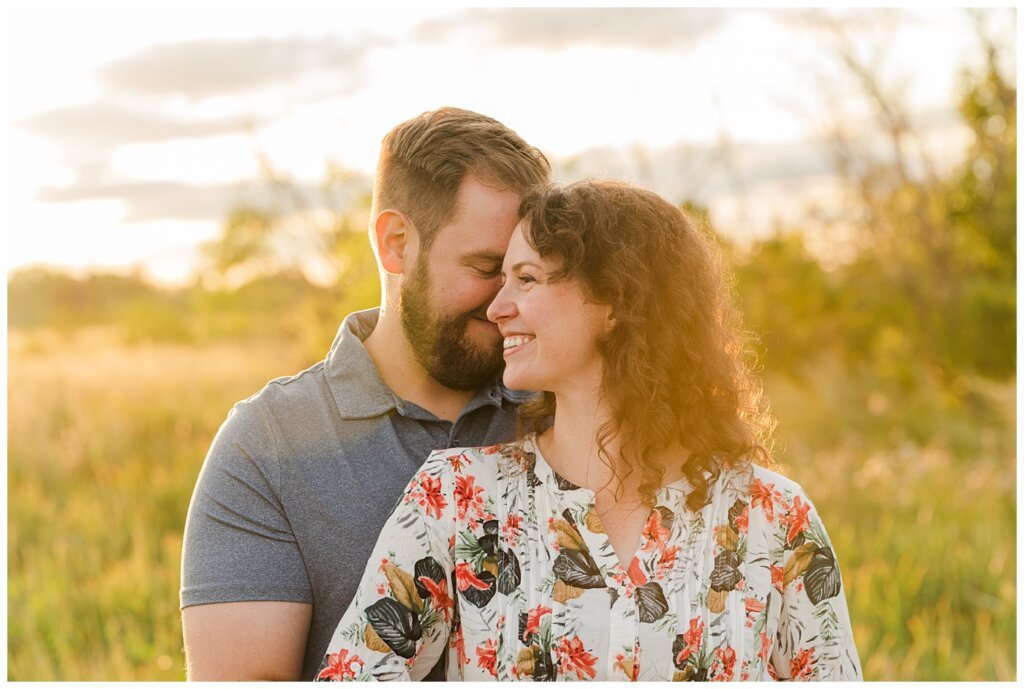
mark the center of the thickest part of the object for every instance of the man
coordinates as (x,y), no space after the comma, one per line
(302,476)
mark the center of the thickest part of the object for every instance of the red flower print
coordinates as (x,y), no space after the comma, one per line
(511,529)
(654,533)
(619,657)
(802,665)
(467,495)
(636,574)
(667,560)
(533,618)
(796,519)
(431,497)
(382,590)
(765,496)
(778,577)
(573,657)
(692,638)
(466,577)
(743,521)
(766,647)
(753,605)
(439,598)
(340,666)
(458,642)
(620,579)
(627,665)
(458,461)
(726,659)
(487,657)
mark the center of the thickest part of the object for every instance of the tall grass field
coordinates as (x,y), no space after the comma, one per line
(106,440)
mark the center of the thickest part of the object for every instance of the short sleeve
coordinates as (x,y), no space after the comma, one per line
(399,623)
(814,640)
(238,544)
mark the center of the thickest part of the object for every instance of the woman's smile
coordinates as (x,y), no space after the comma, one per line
(514,343)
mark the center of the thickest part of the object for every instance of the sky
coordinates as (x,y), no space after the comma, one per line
(131,133)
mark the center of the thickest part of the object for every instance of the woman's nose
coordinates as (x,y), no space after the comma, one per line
(502,307)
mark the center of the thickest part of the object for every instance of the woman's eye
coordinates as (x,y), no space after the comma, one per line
(526,278)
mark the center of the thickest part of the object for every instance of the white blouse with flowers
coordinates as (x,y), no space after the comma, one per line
(505,573)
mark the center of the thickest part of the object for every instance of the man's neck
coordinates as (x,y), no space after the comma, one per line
(398,368)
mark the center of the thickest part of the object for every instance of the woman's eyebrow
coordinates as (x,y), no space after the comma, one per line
(525,263)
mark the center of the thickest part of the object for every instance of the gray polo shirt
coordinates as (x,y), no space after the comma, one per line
(301,477)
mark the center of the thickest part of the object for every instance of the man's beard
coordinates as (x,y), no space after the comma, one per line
(439,341)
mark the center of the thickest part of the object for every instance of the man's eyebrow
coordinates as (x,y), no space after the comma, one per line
(483,256)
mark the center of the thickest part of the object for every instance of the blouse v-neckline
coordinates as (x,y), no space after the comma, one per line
(671,497)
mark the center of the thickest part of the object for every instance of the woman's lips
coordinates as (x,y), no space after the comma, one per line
(513,343)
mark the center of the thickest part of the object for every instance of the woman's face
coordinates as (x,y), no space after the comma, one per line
(550,330)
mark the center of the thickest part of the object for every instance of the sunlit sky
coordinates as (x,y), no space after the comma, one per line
(132,132)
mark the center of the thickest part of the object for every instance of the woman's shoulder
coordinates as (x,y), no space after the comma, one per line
(750,480)
(773,480)
(484,463)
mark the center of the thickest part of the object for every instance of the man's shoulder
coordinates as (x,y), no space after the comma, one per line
(296,390)
(300,400)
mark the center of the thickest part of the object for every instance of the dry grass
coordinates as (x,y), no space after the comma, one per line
(106,441)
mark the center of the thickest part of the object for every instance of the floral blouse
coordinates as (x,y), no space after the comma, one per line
(497,566)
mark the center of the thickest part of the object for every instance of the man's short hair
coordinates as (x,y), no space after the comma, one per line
(424,160)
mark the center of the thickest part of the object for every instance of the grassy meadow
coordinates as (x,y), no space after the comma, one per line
(106,439)
(105,442)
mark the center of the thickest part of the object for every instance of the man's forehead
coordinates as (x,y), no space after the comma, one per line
(468,241)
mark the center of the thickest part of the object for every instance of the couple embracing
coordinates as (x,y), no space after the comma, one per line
(595,500)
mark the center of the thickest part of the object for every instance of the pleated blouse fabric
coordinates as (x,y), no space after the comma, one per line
(498,568)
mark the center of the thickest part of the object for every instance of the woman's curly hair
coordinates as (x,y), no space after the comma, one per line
(675,366)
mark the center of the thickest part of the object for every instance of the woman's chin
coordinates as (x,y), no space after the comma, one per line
(515,382)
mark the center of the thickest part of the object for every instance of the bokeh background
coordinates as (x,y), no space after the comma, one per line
(187,202)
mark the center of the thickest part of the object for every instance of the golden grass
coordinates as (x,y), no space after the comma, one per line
(105,442)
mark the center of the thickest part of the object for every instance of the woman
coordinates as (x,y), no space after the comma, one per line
(633,537)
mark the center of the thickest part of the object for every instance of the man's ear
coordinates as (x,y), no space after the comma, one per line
(396,240)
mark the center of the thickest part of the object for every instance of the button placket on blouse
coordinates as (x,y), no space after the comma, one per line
(624,626)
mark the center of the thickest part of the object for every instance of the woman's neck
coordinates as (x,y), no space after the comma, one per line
(570,445)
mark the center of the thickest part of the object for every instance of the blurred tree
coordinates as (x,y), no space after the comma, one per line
(38,297)
(312,231)
(308,247)
(932,280)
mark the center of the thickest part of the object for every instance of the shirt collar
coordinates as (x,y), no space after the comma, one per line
(545,474)
(667,494)
(358,390)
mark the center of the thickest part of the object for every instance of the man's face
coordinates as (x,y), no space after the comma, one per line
(445,299)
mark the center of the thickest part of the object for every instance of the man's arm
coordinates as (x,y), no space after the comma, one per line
(259,640)
(245,596)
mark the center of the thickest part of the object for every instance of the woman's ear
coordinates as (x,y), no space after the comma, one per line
(609,319)
(395,237)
